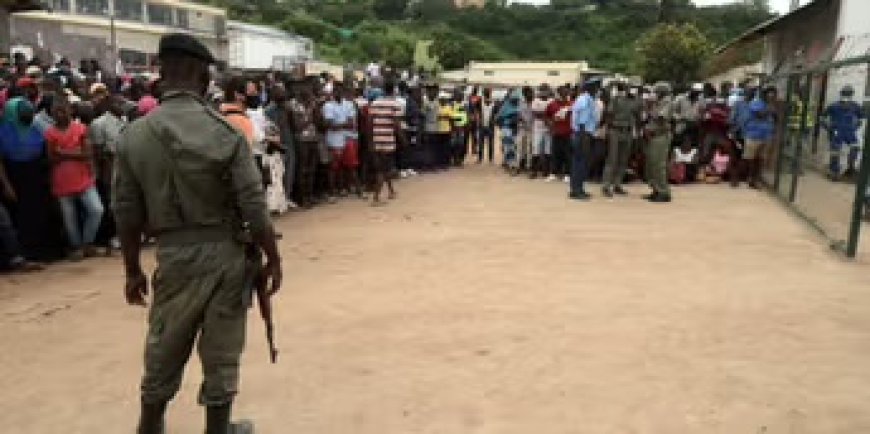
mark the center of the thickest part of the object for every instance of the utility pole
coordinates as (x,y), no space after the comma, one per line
(114,38)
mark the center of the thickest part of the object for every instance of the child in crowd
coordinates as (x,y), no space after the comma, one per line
(716,171)
(684,164)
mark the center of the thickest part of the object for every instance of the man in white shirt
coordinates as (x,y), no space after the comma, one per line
(542,139)
(486,130)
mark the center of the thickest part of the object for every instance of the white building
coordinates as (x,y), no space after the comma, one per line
(523,73)
(253,47)
(814,34)
(83,29)
(817,32)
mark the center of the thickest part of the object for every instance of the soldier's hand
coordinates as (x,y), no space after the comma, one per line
(272,271)
(136,289)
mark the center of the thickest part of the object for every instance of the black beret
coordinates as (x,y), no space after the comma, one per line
(182,43)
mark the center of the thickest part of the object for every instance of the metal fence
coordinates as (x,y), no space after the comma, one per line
(816,165)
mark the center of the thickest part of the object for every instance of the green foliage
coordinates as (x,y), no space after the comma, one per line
(672,52)
(603,32)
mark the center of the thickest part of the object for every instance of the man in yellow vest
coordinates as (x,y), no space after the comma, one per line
(458,140)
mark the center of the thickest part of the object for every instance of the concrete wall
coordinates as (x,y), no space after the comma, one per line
(526,73)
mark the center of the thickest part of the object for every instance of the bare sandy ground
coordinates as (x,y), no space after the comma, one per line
(478,303)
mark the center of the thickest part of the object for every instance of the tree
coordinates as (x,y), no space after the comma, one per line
(674,53)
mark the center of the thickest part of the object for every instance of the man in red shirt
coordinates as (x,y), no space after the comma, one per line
(559,112)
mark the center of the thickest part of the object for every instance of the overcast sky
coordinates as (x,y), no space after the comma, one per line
(780,6)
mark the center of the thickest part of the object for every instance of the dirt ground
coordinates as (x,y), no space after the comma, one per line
(477,303)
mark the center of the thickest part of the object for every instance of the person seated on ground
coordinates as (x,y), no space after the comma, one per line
(684,163)
(716,171)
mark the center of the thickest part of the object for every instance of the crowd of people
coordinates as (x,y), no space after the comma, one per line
(619,133)
(318,140)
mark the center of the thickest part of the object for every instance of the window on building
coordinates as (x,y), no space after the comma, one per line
(128,9)
(58,5)
(133,57)
(553,73)
(488,73)
(93,7)
(160,14)
(183,16)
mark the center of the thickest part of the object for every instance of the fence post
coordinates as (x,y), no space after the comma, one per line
(799,143)
(860,194)
(783,138)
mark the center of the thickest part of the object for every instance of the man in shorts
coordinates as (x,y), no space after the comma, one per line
(384,113)
(758,133)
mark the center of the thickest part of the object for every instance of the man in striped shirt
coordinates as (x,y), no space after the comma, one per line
(384,113)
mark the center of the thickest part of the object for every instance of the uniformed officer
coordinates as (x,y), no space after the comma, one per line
(459,144)
(843,119)
(623,119)
(184,175)
(660,133)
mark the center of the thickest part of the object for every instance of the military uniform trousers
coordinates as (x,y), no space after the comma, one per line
(618,153)
(200,297)
(657,162)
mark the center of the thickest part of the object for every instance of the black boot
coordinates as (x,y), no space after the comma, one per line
(217,421)
(151,419)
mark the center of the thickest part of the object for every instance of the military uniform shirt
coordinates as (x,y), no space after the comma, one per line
(217,183)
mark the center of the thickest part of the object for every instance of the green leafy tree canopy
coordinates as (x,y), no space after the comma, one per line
(673,52)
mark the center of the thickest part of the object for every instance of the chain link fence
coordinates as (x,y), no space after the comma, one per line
(815,163)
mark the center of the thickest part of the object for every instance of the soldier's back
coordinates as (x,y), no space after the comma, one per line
(181,156)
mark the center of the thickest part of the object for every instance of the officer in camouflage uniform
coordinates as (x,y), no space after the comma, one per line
(660,132)
(623,117)
(185,176)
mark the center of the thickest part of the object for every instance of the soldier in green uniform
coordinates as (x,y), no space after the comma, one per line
(185,176)
(623,117)
(660,132)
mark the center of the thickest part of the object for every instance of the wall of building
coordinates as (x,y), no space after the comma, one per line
(525,73)
(5,36)
(854,27)
(249,50)
(816,35)
(76,38)
(469,3)
(812,35)
(740,74)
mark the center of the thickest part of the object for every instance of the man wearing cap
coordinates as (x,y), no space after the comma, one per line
(187,177)
(623,118)
(660,133)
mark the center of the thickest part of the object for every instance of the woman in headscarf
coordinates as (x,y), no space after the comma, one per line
(508,121)
(35,212)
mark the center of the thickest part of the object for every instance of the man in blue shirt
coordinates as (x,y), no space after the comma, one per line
(584,122)
(740,115)
(842,119)
(758,132)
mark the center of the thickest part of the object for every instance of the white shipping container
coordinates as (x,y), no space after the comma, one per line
(256,47)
